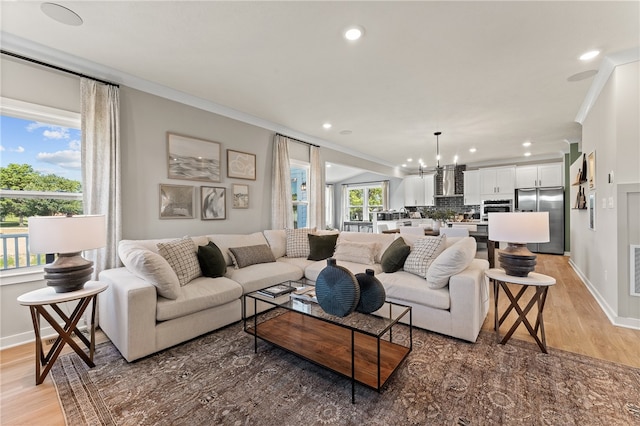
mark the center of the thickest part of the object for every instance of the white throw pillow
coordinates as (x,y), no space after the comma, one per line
(423,252)
(151,267)
(277,239)
(356,252)
(183,259)
(298,241)
(453,260)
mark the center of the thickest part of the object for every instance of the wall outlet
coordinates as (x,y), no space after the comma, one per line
(610,202)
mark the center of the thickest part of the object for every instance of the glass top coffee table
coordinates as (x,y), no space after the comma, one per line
(359,346)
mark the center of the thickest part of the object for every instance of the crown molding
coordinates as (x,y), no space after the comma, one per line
(609,63)
(56,57)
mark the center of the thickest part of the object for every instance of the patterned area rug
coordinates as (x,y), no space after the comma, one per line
(218,379)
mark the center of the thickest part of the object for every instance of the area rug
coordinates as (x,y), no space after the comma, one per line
(217,379)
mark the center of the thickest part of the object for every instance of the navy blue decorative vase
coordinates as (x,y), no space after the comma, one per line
(372,294)
(337,289)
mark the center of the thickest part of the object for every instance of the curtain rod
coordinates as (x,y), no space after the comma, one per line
(364,183)
(55,67)
(298,140)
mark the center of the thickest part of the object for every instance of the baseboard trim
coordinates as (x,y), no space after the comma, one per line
(29,337)
(632,323)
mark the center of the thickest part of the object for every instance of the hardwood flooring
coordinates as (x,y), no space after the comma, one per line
(573,321)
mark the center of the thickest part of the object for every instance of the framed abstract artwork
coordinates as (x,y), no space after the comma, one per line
(240,196)
(193,159)
(214,203)
(241,165)
(176,201)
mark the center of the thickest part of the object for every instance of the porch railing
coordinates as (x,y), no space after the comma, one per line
(15,252)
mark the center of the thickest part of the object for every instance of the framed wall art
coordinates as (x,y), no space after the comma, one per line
(214,203)
(591,168)
(176,201)
(241,165)
(240,196)
(193,159)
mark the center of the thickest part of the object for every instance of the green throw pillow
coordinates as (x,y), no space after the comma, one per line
(395,255)
(212,262)
(321,246)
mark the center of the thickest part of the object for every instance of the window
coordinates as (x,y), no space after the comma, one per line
(299,194)
(362,200)
(40,173)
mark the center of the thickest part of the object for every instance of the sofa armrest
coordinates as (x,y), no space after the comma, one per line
(469,293)
(127,313)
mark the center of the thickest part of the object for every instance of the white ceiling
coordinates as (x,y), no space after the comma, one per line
(489,75)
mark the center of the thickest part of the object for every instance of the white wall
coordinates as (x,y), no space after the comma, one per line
(611,131)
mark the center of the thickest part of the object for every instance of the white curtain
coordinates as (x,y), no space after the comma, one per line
(100,105)
(281,203)
(329,207)
(385,195)
(316,192)
(344,214)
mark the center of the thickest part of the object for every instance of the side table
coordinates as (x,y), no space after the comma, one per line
(37,301)
(541,283)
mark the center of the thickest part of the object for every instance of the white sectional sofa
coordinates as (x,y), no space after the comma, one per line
(140,321)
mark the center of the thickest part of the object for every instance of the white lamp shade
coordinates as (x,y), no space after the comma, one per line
(519,227)
(66,234)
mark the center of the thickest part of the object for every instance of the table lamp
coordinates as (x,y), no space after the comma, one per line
(518,229)
(67,236)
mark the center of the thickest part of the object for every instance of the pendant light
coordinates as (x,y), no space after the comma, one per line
(437,134)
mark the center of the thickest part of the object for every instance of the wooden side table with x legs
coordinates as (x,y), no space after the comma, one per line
(541,283)
(37,301)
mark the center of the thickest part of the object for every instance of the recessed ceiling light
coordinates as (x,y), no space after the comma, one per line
(527,154)
(472,150)
(353,33)
(404,165)
(589,55)
(327,125)
(61,14)
(409,160)
(526,143)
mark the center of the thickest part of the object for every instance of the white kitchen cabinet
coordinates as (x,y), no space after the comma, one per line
(471,187)
(536,176)
(497,182)
(413,191)
(429,190)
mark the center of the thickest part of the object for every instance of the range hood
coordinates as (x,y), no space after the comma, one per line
(446,187)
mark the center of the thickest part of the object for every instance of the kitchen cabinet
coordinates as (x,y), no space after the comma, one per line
(471,187)
(496,182)
(419,191)
(537,176)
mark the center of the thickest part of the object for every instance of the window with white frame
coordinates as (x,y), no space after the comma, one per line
(363,200)
(40,172)
(300,193)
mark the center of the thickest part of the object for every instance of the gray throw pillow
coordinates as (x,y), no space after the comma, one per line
(212,261)
(251,255)
(394,256)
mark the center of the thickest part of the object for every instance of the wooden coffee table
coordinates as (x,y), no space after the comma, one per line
(358,346)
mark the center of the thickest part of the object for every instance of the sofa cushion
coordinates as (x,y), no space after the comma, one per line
(348,251)
(424,251)
(277,240)
(407,287)
(182,257)
(211,260)
(224,241)
(150,267)
(262,275)
(251,255)
(299,262)
(383,240)
(298,241)
(312,271)
(394,256)
(451,261)
(321,246)
(200,294)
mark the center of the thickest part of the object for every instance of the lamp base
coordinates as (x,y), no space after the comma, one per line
(69,272)
(517,260)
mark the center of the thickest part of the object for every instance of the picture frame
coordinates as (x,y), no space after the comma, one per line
(241,165)
(176,201)
(191,158)
(213,203)
(240,196)
(591,169)
(592,211)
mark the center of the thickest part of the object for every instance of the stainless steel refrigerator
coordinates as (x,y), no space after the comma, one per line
(545,200)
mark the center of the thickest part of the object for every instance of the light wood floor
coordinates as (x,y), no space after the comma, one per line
(573,321)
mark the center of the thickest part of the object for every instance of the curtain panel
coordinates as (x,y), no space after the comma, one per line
(100,107)
(281,202)
(316,190)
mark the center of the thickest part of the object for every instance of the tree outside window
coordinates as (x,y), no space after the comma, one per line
(363,201)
